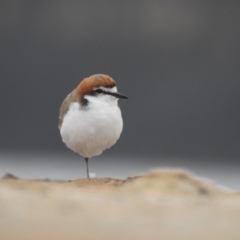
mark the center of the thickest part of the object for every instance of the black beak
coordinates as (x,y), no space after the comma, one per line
(119,95)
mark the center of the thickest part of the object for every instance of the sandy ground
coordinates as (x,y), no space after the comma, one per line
(159,205)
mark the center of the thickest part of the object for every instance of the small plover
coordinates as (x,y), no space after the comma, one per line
(90,119)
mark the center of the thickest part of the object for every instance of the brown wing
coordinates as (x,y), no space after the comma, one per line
(65,106)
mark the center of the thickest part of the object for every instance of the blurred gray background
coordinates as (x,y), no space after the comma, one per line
(177,61)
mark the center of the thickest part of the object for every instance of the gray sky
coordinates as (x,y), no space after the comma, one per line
(177,61)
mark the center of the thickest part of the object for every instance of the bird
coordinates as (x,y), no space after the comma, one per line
(90,120)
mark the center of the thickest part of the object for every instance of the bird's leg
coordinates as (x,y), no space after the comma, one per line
(86,159)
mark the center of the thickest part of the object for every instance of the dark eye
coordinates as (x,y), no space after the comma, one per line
(99,91)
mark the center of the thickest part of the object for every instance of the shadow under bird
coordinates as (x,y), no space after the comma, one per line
(90,119)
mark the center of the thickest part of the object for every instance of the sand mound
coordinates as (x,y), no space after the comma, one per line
(158,205)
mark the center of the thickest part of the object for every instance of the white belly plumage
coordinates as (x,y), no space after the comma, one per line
(90,131)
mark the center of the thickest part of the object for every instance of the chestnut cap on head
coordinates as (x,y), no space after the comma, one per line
(99,83)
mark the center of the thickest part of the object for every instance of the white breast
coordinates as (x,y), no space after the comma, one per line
(91,130)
